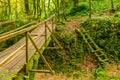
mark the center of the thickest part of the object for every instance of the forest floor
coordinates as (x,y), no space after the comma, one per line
(88,65)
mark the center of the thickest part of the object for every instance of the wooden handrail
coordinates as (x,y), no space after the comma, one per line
(23,26)
(11,21)
(6,37)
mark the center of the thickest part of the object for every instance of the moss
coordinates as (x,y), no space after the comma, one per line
(105,31)
(20,76)
(32,64)
(35,65)
(76,75)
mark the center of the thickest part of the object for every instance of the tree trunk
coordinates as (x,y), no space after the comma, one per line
(9,9)
(112,6)
(75,2)
(34,7)
(26,6)
(16,12)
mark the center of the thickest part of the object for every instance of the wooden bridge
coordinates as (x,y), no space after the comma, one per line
(36,37)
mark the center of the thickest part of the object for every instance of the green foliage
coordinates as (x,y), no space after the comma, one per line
(105,32)
(11,26)
(33,64)
(100,6)
(117,7)
(20,75)
(101,74)
(65,60)
(76,76)
(81,9)
(4,73)
(11,77)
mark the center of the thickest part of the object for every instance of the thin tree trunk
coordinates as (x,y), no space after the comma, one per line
(26,6)
(16,12)
(38,7)
(48,4)
(112,5)
(9,9)
(34,7)
(63,7)
(75,2)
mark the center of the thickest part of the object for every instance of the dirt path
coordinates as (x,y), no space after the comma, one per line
(88,65)
(43,76)
(70,26)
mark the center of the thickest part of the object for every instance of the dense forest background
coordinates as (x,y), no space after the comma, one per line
(13,9)
(101,19)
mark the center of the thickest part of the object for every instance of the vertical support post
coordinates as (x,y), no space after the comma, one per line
(54,38)
(27,71)
(90,9)
(45,34)
(52,32)
(52,26)
(14,27)
(42,57)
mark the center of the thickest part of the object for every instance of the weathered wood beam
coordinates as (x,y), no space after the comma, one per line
(6,37)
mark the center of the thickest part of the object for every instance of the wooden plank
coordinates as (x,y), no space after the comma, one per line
(16,62)
(15,47)
(5,55)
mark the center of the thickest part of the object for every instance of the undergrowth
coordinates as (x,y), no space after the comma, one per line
(106,33)
(72,53)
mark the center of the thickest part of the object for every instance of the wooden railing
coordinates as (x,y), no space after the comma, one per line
(12,21)
(28,39)
(17,31)
(8,27)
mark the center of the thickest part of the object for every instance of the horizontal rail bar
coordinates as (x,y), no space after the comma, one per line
(41,71)
(8,58)
(23,26)
(6,37)
(11,21)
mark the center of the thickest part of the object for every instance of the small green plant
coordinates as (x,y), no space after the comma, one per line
(4,73)
(77,75)
(101,74)
(81,9)
(105,31)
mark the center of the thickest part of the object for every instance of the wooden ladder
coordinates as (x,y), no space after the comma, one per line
(100,55)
